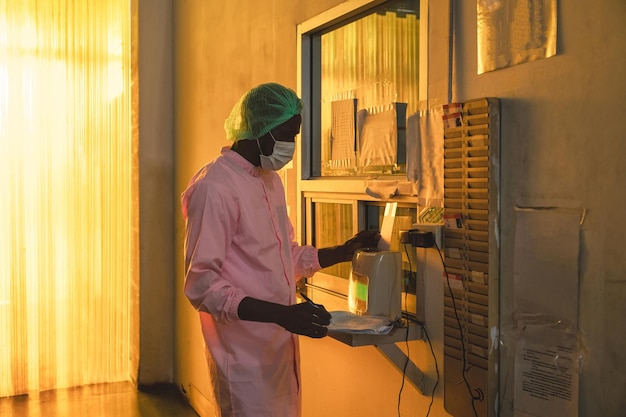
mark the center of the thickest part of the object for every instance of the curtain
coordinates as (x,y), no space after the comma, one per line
(333,226)
(375,61)
(68,179)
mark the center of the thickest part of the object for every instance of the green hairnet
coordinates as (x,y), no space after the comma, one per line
(261,110)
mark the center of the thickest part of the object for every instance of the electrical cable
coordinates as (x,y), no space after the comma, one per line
(463,351)
(408,317)
(432,351)
(406,363)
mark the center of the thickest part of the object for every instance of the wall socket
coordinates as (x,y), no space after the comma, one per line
(435,228)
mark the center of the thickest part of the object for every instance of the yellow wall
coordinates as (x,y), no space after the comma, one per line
(562,142)
(152,24)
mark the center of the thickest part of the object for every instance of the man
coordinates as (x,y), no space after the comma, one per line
(242,262)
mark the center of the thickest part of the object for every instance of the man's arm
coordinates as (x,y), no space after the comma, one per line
(345,252)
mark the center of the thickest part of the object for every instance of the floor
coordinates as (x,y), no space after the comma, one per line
(110,400)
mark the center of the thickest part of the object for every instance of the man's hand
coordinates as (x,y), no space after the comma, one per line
(363,239)
(345,252)
(305,319)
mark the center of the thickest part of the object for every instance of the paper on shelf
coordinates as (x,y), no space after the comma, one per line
(346,322)
(386,230)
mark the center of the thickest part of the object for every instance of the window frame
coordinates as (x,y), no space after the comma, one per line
(352,188)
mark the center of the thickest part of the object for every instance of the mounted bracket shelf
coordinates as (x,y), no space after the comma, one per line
(386,344)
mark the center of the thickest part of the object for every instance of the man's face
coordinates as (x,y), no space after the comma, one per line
(286,132)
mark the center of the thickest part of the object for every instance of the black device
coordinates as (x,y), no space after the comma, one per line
(418,238)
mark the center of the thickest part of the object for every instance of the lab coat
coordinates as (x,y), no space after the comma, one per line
(239,242)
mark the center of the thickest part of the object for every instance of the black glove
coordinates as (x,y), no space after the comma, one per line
(305,319)
(363,239)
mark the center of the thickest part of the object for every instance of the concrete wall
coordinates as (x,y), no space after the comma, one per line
(156,182)
(563,145)
(562,142)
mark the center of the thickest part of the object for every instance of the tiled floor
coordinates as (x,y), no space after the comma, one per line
(110,400)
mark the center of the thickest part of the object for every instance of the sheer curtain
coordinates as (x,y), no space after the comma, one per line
(68,212)
(375,60)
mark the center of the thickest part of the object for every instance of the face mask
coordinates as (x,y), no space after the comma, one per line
(281,155)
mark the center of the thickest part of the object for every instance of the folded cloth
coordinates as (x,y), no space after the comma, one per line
(346,322)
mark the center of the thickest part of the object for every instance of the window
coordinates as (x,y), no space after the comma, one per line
(360,75)
(360,81)
(333,221)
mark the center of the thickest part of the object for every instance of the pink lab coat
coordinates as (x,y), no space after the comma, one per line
(239,242)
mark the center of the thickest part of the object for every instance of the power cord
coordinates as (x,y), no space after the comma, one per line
(432,351)
(406,341)
(479,395)
(406,364)
(408,317)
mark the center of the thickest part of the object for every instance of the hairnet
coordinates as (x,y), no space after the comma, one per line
(261,110)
